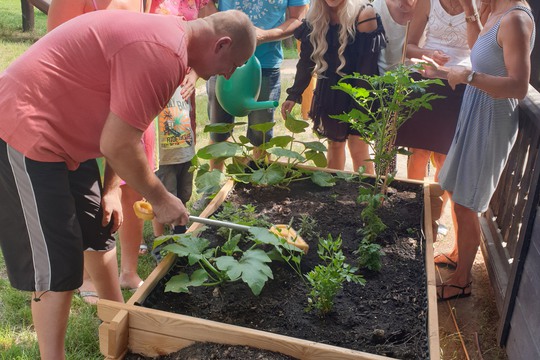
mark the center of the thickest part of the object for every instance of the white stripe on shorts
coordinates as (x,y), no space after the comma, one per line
(40,252)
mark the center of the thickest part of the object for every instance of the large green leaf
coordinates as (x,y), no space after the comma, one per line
(251,268)
(263,127)
(322,178)
(291,154)
(264,236)
(209,182)
(181,283)
(318,158)
(315,145)
(277,141)
(223,149)
(268,176)
(295,126)
(222,128)
(189,246)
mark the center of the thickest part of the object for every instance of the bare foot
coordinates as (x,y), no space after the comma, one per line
(445,260)
(131,283)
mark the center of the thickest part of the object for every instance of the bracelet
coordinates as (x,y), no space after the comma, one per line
(472,18)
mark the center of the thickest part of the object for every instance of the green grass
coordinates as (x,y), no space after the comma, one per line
(13,42)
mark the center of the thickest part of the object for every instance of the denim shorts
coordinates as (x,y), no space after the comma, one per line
(270,90)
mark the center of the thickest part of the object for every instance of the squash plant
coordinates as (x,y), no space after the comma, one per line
(238,259)
(281,171)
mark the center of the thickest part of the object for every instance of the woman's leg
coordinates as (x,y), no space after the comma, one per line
(131,234)
(336,155)
(416,165)
(467,241)
(359,150)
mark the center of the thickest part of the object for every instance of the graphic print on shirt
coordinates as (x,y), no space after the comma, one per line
(174,124)
(259,9)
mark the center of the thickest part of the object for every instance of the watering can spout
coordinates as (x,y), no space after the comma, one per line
(251,105)
(237,95)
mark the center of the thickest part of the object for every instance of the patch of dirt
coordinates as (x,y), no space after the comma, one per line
(211,351)
(387,316)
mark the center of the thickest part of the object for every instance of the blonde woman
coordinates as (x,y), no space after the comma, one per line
(338,37)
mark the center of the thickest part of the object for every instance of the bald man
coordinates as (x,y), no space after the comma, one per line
(87,89)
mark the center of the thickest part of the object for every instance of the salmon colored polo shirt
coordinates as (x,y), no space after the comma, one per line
(55,98)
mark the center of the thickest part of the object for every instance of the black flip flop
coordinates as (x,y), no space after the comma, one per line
(462,294)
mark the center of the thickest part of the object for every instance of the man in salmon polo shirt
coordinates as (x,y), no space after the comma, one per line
(88,89)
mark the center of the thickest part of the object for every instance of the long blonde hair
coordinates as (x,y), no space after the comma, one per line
(318,17)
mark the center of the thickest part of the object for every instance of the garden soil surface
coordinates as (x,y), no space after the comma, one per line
(387,316)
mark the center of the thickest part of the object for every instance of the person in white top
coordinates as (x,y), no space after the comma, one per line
(395,14)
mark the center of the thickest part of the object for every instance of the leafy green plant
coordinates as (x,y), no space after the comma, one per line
(227,263)
(385,103)
(283,150)
(308,227)
(369,256)
(327,280)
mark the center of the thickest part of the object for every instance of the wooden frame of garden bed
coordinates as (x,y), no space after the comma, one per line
(155,332)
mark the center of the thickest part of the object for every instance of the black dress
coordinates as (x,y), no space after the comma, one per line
(361,55)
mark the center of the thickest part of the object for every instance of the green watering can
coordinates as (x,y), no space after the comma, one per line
(238,95)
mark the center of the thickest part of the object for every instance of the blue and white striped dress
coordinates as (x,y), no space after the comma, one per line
(486,130)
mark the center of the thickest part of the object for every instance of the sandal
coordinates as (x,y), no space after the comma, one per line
(445,262)
(462,294)
(143,249)
(89,297)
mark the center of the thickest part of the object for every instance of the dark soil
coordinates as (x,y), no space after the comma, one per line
(387,316)
(211,351)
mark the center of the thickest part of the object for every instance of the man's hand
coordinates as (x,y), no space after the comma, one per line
(170,211)
(112,209)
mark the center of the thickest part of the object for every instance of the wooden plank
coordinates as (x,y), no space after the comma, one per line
(522,344)
(194,329)
(433,316)
(113,343)
(494,264)
(155,344)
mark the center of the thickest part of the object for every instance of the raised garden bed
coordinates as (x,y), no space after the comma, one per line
(410,332)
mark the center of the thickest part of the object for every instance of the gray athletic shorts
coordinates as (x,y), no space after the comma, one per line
(177,180)
(48,216)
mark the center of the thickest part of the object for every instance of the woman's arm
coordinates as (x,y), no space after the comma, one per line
(416,30)
(473,26)
(61,11)
(514,36)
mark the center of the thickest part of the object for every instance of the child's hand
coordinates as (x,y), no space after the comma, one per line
(286,108)
(188,85)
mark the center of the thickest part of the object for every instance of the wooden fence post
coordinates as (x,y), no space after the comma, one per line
(27,16)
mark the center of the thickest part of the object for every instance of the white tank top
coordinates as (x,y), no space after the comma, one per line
(390,57)
(447,33)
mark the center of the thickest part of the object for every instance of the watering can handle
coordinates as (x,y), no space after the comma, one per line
(212,222)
